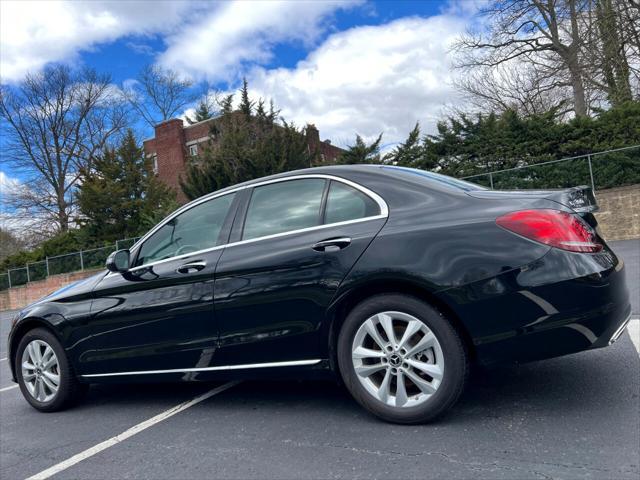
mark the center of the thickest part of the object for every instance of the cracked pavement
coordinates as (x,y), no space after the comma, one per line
(572,417)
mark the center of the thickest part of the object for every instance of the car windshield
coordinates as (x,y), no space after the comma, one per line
(436,177)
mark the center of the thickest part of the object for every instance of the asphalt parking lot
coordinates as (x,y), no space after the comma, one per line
(571,417)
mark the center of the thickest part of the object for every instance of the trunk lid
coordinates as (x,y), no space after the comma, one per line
(580,199)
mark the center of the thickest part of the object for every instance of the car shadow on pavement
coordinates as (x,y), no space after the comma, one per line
(571,386)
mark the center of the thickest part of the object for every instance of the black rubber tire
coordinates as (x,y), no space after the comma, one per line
(70,390)
(453,349)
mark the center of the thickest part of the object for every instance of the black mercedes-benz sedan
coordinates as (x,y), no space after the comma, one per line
(395,279)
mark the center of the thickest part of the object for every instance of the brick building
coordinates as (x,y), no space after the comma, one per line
(174,143)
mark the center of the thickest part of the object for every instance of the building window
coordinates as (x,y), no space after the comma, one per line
(154,162)
(193,150)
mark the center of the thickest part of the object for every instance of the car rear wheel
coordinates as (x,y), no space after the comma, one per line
(44,374)
(401,359)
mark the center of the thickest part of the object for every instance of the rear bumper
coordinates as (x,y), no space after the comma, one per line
(606,339)
(563,303)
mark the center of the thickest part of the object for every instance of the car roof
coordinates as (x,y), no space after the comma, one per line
(338,170)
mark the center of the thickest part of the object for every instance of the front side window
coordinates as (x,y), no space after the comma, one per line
(347,203)
(283,207)
(195,229)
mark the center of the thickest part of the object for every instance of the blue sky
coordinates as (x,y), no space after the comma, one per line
(349,67)
(124,56)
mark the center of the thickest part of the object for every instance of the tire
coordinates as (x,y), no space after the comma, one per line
(69,389)
(446,359)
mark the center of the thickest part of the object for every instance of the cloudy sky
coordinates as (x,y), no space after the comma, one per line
(350,66)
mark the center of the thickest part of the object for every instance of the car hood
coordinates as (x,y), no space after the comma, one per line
(79,288)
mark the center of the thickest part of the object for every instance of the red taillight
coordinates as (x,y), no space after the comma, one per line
(552,227)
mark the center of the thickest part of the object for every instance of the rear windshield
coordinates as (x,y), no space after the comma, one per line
(436,177)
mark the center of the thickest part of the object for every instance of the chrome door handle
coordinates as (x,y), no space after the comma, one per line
(332,244)
(192,266)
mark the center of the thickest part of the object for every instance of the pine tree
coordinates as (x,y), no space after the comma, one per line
(247,146)
(203,112)
(121,197)
(360,152)
(246,104)
(410,152)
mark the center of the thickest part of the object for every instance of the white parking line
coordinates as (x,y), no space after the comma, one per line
(634,332)
(129,433)
(8,388)
(1,359)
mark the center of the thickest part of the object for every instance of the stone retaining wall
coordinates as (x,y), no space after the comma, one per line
(619,215)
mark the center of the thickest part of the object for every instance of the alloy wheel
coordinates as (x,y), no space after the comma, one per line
(40,370)
(397,359)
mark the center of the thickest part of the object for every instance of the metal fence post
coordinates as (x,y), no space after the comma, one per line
(28,278)
(491,180)
(593,185)
(81,262)
(9,277)
(46,259)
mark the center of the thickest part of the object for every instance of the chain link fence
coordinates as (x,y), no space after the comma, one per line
(613,168)
(71,262)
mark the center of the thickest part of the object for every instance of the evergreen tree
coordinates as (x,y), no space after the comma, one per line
(246,146)
(246,104)
(121,197)
(203,112)
(408,153)
(360,152)
(467,145)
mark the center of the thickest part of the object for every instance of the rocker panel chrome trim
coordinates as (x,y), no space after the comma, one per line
(296,363)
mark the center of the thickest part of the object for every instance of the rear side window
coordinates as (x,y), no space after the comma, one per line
(283,207)
(443,180)
(347,203)
(195,229)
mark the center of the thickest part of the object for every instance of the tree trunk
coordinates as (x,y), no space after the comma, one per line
(63,216)
(615,67)
(573,64)
(580,103)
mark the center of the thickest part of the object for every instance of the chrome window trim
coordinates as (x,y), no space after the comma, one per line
(210,369)
(384,213)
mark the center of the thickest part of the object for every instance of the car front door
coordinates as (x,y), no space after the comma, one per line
(159,316)
(293,242)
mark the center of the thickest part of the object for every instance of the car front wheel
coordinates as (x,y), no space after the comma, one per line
(401,359)
(44,374)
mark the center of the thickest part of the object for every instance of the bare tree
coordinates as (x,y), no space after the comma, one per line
(608,52)
(54,124)
(545,33)
(537,53)
(160,94)
(515,86)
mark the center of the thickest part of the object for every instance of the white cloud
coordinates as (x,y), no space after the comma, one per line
(35,33)
(213,46)
(370,79)
(8,185)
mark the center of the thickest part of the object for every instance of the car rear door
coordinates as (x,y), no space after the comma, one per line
(159,315)
(293,242)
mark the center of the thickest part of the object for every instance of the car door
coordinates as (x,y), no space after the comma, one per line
(293,242)
(159,315)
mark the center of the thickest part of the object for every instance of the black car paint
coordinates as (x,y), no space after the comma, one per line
(277,299)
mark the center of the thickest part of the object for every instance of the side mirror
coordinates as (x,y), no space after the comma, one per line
(118,261)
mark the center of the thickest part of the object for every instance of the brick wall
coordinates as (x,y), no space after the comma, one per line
(172,140)
(169,146)
(20,297)
(619,215)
